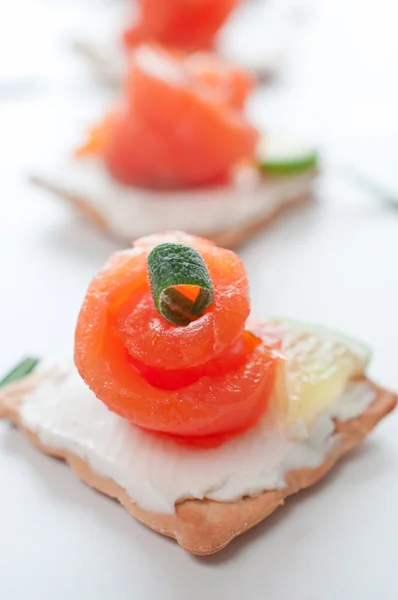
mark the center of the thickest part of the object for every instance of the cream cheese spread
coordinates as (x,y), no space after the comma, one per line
(158,472)
(131,212)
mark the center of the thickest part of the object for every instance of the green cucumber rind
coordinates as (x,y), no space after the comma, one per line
(290,167)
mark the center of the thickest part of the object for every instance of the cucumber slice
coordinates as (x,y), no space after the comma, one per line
(320,363)
(356,346)
(281,155)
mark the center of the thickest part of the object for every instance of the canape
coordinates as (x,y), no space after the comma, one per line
(178,152)
(199,421)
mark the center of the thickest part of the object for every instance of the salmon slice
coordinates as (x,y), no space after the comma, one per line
(210,378)
(232,83)
(190,24)
(180,124)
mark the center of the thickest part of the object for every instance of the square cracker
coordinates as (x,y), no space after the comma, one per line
(206,526)
(291,191)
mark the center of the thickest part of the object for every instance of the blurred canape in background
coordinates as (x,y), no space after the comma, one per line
(255,35)
(178,23)
(177,151)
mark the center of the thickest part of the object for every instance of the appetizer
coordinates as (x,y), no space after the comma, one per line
(178,152)
(197,420)
(177,23)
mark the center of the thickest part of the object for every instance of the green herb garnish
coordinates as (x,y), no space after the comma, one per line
(171,265)
(22,369)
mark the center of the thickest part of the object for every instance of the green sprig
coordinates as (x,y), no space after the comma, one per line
(22,369)
(170,265)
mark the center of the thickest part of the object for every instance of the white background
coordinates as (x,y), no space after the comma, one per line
(333,262)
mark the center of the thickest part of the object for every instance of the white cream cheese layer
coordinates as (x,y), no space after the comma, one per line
(130,212)
(157,473)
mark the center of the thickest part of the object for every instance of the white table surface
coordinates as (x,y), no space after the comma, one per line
(333,262)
